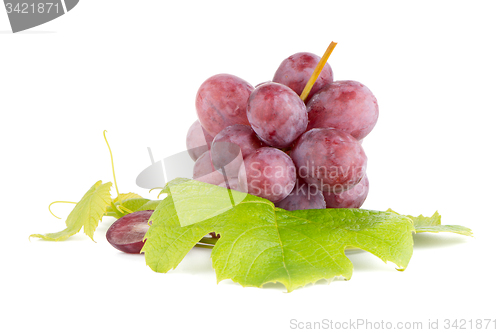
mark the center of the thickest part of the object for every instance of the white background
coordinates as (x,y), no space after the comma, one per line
(133,68)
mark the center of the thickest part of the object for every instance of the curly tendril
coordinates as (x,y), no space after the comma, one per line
(124,208)
(155,188)
(70,202)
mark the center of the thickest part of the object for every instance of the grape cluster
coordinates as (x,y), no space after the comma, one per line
(268,142)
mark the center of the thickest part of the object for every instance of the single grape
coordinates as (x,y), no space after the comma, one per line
(198,140)
(330,159)
(221,101)
(232,184)
(353,198)
(204,170)
(296,70)
(268,173)
(303,196)
(241,135)
(276,114)
(228,144)
(348,106)
(127,233)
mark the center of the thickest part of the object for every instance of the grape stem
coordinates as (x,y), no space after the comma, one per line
(317,71)
(208,240)
(204,245)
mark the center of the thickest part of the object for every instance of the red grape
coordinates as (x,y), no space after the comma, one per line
(330,159)
(276,114)
(348,106)
(221,101)
(268,173)
(297,69)
(127,233)
(241,135)
(353,198)
(303,196)
(228,144)
(198,140)
(204,170)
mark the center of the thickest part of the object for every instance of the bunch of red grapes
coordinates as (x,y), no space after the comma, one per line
(268,142)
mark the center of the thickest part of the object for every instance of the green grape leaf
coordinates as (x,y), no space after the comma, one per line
(261,244)
(121,199)
(125,196)
(133,205)
(87,213)
(110,211)
(150,205)
(433,224)
(119,210)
